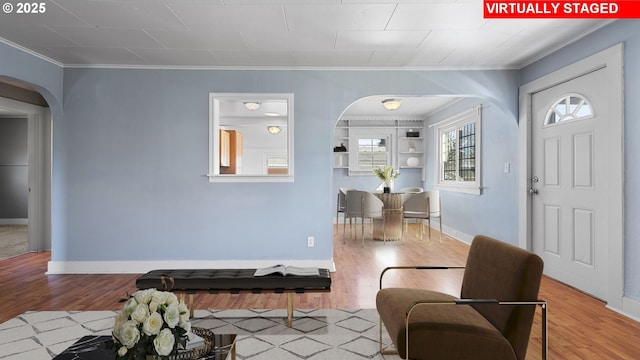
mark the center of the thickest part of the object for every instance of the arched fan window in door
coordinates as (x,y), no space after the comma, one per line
(569,108)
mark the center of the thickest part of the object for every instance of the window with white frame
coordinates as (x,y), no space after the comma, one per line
(372,153)
(569,107)
(369,148)
(458,152)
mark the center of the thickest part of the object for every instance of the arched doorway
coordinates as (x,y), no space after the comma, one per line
(20,101)
(401,130)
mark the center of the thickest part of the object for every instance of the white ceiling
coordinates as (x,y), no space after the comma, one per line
(270,112)
(411,108)
(344,34)
(288,33)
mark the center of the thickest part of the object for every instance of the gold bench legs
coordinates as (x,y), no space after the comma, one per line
(289,306)
(289,309)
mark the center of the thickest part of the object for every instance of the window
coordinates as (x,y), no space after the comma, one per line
(458,150)
(369,148)
(567,108)
(250,137)
(372,153)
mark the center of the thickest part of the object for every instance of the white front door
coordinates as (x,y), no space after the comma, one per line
(569,180)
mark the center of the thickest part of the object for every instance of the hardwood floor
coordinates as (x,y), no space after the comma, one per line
(580,327)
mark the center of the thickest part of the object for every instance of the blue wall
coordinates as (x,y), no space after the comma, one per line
(495,211)
(134,150)
(40,74)
(627,32)
(130,149)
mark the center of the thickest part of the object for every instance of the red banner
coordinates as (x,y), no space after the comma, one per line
(622,9)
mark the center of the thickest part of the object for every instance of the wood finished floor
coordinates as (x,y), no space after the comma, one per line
(580,327)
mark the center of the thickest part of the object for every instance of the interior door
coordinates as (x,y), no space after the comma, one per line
(569,181)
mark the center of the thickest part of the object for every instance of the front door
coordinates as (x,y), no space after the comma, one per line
(569,183)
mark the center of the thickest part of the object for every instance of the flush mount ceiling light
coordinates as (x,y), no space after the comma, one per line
(391,104)
(272,114)
(273,130)
(252,105)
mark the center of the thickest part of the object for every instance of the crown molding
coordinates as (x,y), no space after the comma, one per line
(31,52)
(253,68)
(288,68)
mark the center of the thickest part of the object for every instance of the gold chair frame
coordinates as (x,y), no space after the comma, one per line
(541,303)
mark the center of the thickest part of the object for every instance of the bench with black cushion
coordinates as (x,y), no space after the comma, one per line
(213,281)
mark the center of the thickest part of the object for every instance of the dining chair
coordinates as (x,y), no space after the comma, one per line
(412,190)
(341,203)
(363,205)
(422,206)
(435,211)
(352,210)
(407,192)
(416,206)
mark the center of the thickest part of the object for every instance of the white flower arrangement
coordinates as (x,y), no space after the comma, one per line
(151,322)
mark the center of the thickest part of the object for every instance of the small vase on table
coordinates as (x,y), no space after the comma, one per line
(387,187)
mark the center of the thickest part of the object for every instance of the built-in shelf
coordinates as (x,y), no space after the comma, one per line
(408,152)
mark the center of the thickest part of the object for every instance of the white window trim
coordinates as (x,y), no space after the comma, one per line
(214,151)
(473,115)
(571,118)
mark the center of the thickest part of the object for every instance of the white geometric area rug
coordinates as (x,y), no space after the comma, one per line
(262,334)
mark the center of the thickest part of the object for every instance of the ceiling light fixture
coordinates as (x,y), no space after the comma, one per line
(273,130)
(272,114)
(252,105)
(391,104)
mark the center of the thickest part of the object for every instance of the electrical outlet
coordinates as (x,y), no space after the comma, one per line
(310,241)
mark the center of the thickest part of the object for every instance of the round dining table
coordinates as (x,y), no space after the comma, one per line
(391,227)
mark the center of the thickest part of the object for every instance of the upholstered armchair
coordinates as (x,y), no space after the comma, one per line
(492,318)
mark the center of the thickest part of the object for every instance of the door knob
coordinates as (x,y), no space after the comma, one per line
(533,191)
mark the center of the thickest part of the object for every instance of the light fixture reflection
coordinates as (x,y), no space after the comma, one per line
(391,104)
(273,130)
(252,105)
(386,257)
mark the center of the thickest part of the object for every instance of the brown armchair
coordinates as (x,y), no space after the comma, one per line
(492,319)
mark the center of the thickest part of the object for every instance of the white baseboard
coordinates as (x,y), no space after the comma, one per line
(141,267)
(453,233)
(630,308)
(14,221)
